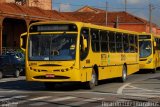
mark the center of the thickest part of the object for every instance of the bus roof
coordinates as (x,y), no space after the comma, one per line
(86,25)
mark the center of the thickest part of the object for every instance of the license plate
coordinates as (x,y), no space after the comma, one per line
(50,75)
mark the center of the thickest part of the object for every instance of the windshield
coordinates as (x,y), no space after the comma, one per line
(145,48)
(52,47)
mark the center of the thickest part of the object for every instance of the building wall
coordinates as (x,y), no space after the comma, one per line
(6,1)
(131,27)
(44,4)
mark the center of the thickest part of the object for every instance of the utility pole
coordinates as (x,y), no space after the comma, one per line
(125,5)
(106,13)
(51,4)
(150,17)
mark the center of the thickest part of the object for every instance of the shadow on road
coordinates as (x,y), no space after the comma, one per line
(23,85)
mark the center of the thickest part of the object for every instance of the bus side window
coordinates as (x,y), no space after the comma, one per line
(126,43)
(131,43)
(136,43)
(84,38)
(95,40)
(112,44)
(119,47)
(104,41)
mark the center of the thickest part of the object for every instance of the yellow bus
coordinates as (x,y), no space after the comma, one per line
(149,47)
(58,52)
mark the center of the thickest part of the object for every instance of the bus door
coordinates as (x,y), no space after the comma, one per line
(84,50)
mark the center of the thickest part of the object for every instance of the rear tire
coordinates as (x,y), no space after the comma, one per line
(1,75)
(124,74)
(17,73)
(93,82)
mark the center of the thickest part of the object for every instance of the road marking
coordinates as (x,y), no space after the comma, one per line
(82,102)
(62,99)
(34,99)
(8,91)
(141,95)
(145,89)
(14,97)
(38,104)
(39,98)
(53,100)
(120,90)
(86,92)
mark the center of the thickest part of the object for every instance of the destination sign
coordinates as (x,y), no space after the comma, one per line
(53,28)
(144,36)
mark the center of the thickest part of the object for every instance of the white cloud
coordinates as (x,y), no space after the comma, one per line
(65,7)
(134,1)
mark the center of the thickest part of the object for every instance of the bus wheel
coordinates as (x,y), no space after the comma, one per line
(1,75)
(49,85)
(154,70)
(17,73)
(93,82)
(124,74)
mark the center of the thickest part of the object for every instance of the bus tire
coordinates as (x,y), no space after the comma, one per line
(153,70)
(93,82)
(17,73)
(1,75)
(124,74)
(49,85)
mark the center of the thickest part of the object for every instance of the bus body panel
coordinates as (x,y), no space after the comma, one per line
(109,64)
(152,61)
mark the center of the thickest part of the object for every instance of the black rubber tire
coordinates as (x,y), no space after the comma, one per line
(1,75)
(124,74)
(154,70)
(93,82)
(17,73)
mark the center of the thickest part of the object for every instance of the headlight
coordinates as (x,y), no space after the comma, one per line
(149,61)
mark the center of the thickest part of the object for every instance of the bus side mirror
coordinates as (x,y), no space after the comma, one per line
(155,44)
(23,39)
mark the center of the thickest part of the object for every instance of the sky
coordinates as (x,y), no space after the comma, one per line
(138,8)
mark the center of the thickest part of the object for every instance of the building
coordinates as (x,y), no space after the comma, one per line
(122,20)
(15,19)
(43,4)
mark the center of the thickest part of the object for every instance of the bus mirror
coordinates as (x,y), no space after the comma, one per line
(23,39)
(155,44)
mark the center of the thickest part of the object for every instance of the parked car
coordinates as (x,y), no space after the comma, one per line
(11,64)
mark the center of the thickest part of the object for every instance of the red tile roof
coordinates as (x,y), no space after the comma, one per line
(97,17)
(100,18)
(89,9)
(34,12)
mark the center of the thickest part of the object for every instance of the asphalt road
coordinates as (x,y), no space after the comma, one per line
(140,89)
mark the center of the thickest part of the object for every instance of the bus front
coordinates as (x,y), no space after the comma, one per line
(51,54)
(146,48)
